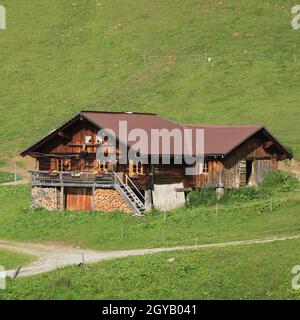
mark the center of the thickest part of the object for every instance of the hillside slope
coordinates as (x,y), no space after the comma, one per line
(65,55)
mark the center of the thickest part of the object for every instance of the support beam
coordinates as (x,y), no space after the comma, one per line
(148,200)
(94,202)
(62,202)
(63,135)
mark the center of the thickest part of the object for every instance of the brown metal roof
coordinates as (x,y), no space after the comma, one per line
(219,140)
(144,121)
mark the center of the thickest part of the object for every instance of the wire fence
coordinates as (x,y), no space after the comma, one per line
(202,56)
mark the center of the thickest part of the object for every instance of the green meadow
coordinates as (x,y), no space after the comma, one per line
(270,210)
(192,61)
(261,271)
(59,57)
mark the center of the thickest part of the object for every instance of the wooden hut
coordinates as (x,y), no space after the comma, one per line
(68,174)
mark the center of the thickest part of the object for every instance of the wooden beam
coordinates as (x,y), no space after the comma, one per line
(94,201)
(268,144)
(183,189)
(62,204)
(63,135)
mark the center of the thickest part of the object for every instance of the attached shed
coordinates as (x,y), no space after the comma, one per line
(237,156)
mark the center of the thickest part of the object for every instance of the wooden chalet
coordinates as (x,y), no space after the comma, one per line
(69,176)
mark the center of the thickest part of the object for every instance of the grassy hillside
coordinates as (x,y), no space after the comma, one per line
(240,220)
(261,271)
(65,55)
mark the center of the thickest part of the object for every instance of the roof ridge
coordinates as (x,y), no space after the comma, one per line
(119,112)
(225,126)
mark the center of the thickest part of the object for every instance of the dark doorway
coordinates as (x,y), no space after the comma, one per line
(248,171)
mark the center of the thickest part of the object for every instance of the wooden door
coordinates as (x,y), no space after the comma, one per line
(242,173)
(79,199)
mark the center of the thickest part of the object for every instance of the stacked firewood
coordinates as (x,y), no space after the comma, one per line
(107,200)
(44,198)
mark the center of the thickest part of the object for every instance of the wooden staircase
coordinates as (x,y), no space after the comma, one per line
(137,204)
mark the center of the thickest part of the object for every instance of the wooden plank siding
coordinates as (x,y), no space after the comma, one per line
(220,169)
(227,171)
(77,199)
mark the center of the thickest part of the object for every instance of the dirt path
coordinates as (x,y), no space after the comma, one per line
(49,257)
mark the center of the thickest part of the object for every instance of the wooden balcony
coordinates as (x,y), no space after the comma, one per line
(71,179)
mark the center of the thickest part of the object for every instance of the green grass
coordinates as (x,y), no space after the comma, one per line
(9,259)
(6,177)
(261,271)
(113,55)
(246,219)
(2,163)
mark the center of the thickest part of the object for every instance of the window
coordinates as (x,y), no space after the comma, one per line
(202,167)
(98,140)
(103,165)
(89,164)
(205,167)
(88,139)
(61,164)
(135,168)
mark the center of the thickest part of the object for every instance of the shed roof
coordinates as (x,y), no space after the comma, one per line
(220,140)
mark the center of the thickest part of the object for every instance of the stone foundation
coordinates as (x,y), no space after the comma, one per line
(44,198)
(108,200)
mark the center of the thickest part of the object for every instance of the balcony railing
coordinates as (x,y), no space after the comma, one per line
(70,178)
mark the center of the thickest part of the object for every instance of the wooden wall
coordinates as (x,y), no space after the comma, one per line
(72,140)
(227,170)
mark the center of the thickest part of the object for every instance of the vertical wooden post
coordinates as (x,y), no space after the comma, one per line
(62,204)
(250,57)
(148,200)
(170,57)
(205,55)
(94,202)
(56,198)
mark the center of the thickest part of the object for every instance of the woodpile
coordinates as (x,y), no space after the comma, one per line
(108,200)
(44,198)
